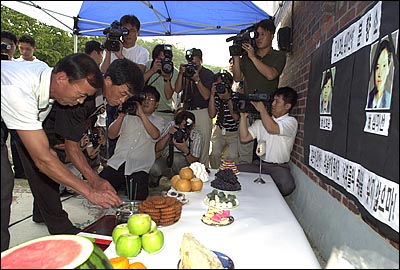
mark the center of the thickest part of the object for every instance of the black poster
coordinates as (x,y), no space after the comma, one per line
(351,129)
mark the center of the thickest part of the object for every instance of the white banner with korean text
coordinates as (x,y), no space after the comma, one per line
(378,195)
(358,35)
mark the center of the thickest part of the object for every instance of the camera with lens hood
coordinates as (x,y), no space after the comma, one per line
(130,105)
(190,67)
(224,85)
(167,66)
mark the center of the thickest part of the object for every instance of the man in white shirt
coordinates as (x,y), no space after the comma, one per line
(279,133)
(29,90)
(139,129)
(27,47)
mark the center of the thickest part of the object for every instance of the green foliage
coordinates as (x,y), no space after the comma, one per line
(53,43)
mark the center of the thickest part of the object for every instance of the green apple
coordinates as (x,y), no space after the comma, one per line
(153,241)
(128,245)
(118,230)
(153,226)
(139,224)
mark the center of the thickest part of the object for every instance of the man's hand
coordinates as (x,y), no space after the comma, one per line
(259,105)
(102,184)
(104,198)
(182,146)
(249,49)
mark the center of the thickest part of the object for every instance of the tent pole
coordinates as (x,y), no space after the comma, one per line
(75,43)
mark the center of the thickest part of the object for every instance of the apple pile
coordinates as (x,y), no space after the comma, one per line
(139,232)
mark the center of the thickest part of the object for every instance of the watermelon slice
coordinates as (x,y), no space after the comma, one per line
(55,252)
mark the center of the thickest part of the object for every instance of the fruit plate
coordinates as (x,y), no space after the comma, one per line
(219,206)
(111,253)
(212,223)
(227,262)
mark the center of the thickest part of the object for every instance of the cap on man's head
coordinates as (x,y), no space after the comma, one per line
(197,52)
(93,45)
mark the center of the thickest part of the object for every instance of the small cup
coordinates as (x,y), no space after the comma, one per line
(125,210)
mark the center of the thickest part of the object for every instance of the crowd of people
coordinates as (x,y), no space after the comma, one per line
(108,120)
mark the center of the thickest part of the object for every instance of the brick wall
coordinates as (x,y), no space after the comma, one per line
(313,23)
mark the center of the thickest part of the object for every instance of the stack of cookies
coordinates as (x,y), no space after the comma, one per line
(163,210)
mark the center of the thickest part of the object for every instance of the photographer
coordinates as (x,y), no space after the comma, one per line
(180,144)
(195,81)
(279,133)
(259,68)
(161,73)
(138,129)
(225,137)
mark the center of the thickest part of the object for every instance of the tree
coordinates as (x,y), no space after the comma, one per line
(53,43)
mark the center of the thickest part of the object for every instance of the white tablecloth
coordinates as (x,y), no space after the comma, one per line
(264,234)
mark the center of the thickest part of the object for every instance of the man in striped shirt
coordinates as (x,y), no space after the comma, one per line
(225,137)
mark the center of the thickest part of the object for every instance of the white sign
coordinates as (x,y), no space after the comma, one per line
(379,196)
(361,33)
(377,123)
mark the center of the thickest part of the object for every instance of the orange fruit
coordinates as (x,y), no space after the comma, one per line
(174,179)
(196,184)
(120,262)
(137,265)
(183,185)
(186,173)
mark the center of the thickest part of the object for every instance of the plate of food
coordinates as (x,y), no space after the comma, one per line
(221,199)
(217,217)
(226,262)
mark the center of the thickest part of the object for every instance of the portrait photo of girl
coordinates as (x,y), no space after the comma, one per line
(381,73)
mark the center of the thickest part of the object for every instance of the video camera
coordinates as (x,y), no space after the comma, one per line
(130,105)
(247,35)
(222,87)
(114,33)
(167,66)
(241,102)
(190,66)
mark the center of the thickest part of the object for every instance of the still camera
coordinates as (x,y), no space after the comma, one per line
(167,66)
(130,105)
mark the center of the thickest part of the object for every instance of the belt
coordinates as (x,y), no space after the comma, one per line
(195,108)
(272,163)
(166,111)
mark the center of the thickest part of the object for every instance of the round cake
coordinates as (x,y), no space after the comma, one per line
(228,164)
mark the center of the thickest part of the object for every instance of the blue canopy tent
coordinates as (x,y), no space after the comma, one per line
(158,18)
(170,18)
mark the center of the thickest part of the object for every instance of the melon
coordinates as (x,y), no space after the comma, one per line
(55,252)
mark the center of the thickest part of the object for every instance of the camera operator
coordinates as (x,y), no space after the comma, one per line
(180,144)
(195,81)
(129,50)
(225,137)
(279,133)
(259,68)
(161,73)
(138,129)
